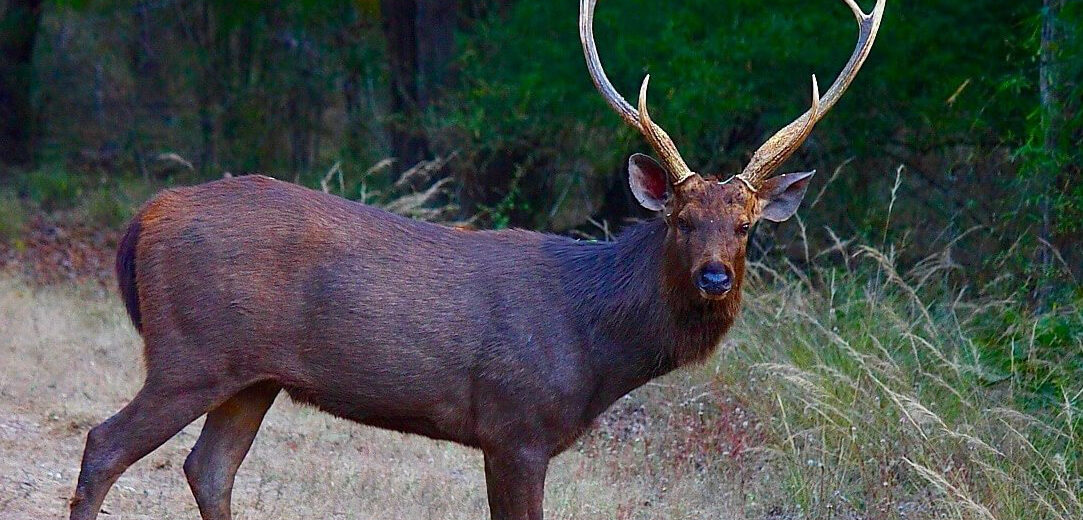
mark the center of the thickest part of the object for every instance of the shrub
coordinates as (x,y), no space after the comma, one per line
(104,207)
(12,216)
(53,188)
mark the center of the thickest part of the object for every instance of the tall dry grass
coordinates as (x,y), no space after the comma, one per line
(883,397)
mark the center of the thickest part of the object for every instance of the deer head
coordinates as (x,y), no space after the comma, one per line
(708,219)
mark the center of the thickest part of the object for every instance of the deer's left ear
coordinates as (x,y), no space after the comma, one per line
(648,181)
(781,195)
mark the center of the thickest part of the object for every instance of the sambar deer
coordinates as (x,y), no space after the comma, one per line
(507,341)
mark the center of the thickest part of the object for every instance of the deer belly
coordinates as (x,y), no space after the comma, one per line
(430,412)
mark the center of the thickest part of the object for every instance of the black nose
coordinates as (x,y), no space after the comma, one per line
(714,280)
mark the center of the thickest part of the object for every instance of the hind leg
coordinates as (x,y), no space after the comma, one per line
(158,411)
(227,436)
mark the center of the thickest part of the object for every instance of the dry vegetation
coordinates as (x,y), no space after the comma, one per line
(889,394)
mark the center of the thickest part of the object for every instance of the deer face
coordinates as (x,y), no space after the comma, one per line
(709,221)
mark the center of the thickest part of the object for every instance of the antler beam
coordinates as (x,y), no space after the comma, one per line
(783,144)
(640,120)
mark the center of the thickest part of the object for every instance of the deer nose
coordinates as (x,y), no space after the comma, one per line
(714,280)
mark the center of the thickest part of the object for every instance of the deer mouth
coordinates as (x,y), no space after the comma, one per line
(714,296)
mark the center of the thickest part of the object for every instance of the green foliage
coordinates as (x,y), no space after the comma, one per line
(504,212)
(1040,356)
(105,208)
(288,89)
(1053,170)
(53,187)
(107,203)
(1048,151)
(725,75)
(268,96)
(13,216)
(726,68)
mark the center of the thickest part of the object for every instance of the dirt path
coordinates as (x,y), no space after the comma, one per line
(303,465)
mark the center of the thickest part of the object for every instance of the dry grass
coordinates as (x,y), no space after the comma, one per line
(885,400)
(69,359)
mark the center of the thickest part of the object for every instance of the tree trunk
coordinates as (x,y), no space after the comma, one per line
(18,31)
(208,94)
(149,85)
(420,46)
(436,22)
(1052,120)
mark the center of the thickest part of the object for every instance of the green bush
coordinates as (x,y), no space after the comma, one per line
(12,216)
(1039,356)
(105,207)
(53,188)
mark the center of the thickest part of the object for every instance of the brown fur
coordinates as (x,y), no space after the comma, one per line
(508,341)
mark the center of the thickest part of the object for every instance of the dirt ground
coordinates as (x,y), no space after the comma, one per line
(69,359)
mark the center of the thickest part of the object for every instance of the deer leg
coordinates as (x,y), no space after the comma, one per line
(155,414)
(516,482)
(227,436)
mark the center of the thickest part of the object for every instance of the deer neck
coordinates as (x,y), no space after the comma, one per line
(644,317)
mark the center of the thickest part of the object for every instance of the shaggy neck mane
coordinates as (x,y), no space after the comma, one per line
(634,299)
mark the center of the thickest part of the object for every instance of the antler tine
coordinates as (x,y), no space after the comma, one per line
(783,144)
(640,120)
(660,141)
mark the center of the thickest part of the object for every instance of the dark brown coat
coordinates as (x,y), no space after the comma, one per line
(508,341)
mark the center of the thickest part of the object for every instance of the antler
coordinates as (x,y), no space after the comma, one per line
(783,144)
(640,120)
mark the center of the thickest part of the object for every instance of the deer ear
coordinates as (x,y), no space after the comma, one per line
(781,195)
(648,181)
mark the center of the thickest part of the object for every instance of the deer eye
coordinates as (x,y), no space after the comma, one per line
(743,229)
(684,225)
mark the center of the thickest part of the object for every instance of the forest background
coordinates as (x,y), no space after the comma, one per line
(949,173)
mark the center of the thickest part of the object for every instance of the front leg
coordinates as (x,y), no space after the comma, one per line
(515,479)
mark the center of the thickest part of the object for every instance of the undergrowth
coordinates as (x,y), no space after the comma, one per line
(893,394)
(12,216)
